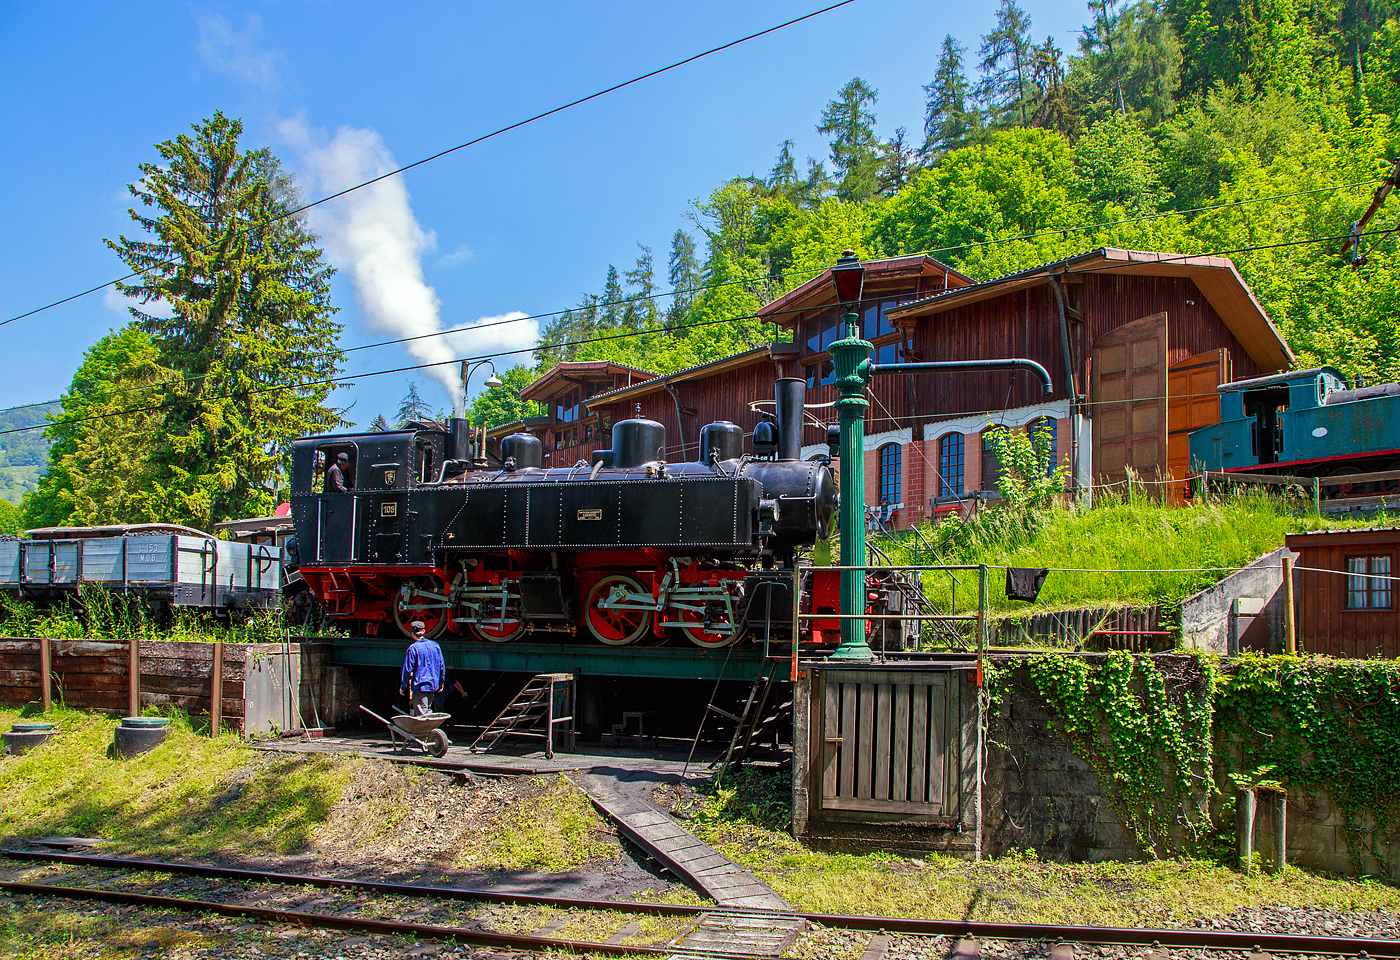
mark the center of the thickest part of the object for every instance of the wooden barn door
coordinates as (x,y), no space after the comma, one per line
(1128,392)
(890,742)
(1194,403)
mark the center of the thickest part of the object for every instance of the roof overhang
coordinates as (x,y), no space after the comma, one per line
(708,369)
(573,370)
(1216,277)
(820,291)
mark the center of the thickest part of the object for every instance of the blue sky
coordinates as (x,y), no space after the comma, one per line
(524,223)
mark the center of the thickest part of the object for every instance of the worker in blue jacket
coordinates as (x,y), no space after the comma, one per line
(424,672)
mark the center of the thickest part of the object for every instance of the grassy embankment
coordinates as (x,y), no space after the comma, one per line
(196,796)
(749,822)
(1115,535)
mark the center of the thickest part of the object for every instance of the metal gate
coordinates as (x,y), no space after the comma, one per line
(891,742)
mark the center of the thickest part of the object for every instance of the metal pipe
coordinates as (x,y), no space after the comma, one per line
(966,366)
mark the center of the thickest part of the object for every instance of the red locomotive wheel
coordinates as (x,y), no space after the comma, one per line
(411,604)
(616,628)
(702,637)
(499,629)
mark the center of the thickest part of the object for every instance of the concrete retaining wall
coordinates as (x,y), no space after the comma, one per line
(1205,616)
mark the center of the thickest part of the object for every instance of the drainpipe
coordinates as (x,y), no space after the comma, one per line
(1074,413)
(680,424)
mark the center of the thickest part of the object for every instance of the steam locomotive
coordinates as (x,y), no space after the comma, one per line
(623,547)
(1306,423)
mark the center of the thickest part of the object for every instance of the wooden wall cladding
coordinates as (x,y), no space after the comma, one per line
(94,674)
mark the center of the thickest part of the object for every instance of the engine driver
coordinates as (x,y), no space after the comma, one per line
(335,476)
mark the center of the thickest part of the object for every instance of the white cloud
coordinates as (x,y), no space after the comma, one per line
(374,237)
(461,255)
(117,303)
(235,53)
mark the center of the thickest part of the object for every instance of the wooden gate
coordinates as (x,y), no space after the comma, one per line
(1128,391)
(1194,403)
(890,742)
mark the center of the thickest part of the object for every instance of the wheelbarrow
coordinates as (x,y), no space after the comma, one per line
(404,728)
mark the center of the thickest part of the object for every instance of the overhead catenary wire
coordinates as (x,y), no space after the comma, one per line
(768,278)
(461,146)
(623,335)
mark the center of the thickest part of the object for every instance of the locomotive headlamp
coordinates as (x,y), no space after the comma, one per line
(849,277)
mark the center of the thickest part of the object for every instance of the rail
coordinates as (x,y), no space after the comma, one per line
(1185,938)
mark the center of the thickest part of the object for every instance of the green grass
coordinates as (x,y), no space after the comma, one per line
(552,831)
(1116,534)
(746,822)
(191,793)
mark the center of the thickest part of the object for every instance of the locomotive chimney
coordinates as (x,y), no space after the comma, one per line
(789,397)
(459,445)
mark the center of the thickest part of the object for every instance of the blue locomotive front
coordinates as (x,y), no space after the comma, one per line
(1307,423)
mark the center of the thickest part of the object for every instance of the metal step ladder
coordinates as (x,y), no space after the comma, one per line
(544,703)
(749,722)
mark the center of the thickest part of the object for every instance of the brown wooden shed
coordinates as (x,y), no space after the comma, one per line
(1345,591)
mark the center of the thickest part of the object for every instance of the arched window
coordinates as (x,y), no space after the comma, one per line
(889,472)
(991,463)
(951,465)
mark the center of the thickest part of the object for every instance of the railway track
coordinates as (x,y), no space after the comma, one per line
(699,932)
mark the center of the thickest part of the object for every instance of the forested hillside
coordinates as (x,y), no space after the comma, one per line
(1255,129)
(23,454)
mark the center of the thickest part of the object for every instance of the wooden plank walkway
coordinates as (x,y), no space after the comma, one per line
(734,934)
(690,859)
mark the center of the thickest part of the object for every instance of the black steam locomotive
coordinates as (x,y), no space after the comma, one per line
(434,528)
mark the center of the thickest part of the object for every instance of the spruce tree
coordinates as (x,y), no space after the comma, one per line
(413,407)
(1006,66)
(896,164)
(683,274)
(855,151)
(611,313)
(640,311)
(949,122)
(249,332)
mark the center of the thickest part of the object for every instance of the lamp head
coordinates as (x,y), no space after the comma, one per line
(493,381)
(849,276)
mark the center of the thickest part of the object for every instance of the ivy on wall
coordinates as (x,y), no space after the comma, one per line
(1315,723)
(1309,723)
(1146,734)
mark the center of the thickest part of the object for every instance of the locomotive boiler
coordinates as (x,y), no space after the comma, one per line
(625,546)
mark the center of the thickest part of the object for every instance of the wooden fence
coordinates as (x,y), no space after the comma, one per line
(125,677)
(1136,629)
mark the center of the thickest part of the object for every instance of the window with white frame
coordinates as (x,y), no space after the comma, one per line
(1368,592)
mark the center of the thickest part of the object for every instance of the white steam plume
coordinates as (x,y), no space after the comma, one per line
(373,236)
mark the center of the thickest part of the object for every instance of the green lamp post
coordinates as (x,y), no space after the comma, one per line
(852,359)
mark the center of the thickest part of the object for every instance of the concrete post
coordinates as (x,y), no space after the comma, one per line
(1289,628)
(1244,829)
(1273,842)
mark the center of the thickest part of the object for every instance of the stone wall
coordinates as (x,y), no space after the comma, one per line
(1038,793)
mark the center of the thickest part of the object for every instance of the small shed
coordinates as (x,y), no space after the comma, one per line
(1345,586)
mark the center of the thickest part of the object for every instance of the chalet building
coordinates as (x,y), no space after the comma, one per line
(568,429)
(1135,342)
(1341,611)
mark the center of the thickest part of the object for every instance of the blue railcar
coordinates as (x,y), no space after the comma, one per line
(1306,423)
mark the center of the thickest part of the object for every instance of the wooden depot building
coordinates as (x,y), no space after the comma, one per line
(1345,592)
(1136,343)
